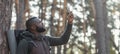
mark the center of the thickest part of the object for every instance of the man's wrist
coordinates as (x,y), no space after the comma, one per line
(70,22)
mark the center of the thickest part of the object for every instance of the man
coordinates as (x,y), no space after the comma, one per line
(35,42)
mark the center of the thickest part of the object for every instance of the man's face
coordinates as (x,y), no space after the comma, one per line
(38,25)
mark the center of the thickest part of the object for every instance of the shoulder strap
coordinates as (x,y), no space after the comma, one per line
(46,40)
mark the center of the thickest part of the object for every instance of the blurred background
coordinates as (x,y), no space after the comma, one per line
(54,16)
(96,26)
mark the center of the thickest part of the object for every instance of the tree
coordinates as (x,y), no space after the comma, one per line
(102,37)
(5,20)
(52,31)
(43,9)
(22,7)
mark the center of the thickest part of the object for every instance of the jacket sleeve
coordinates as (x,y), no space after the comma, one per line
(54,41)
(22,47)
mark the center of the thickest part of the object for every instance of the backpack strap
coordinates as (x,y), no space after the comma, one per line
(18,35)
(47,41)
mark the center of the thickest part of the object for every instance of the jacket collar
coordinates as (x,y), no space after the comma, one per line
(28,34)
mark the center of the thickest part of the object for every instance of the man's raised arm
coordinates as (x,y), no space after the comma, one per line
(65,36)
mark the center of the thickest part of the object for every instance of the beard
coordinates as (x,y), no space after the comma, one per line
(40,29)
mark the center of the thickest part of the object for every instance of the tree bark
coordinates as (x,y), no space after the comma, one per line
(43,7)
(52,31)
(22,7)
(102,37)
(5,21)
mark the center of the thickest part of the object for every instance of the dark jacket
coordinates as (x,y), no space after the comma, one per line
(26,46)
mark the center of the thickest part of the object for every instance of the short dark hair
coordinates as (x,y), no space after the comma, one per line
(29,22)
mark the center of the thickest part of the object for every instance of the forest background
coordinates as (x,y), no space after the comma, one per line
(96,26)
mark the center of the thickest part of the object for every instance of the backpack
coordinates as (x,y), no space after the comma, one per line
(14,37)
(18,35)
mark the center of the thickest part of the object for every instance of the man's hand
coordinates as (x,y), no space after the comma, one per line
(70,17)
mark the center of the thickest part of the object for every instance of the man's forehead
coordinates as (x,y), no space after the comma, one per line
(37,20)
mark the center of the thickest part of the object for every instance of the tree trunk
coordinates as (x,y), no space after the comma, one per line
(5,21)
(94,16)
(52,31)
(59,49)
(65,49)
(43,7)
(106,29)
(102,37)
(64,14)
(22,7)
(64,22)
